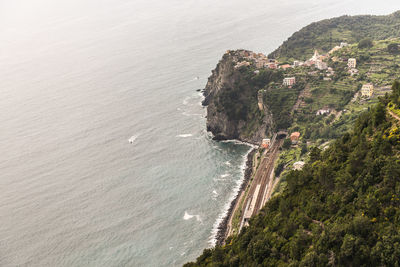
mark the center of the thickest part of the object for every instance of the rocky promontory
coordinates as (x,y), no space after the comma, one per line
(232,98)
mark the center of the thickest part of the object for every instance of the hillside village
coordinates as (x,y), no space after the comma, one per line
(327,92)
(325,213)
(318,61)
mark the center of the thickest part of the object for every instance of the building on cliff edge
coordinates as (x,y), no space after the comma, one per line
(352,63)
(289,81)
(367,90)
(266,143)
(294,137)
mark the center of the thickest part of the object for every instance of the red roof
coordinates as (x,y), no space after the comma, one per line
(295,135)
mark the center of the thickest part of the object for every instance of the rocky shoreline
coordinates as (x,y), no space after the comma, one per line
(223,226)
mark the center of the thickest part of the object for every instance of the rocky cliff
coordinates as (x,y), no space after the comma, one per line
(231,97)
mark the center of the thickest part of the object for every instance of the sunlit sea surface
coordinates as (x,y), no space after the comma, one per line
(104,157)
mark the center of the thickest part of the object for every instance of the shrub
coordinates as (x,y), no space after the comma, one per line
(287,143)
(393,48)
(365,43)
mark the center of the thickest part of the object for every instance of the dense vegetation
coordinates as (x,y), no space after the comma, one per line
(239,102)
(342,209)
(325,34)
(280,101)
(377,65)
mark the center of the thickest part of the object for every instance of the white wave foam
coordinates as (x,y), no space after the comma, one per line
(237,142)
(186,100)
(192,114)
(132,139)
(187,216)
(228,163)
(222,177)
(184,135)
(217,148)
(212,240)
(200,103)
(215,195)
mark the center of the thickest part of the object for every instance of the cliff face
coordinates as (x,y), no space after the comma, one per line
(232,111)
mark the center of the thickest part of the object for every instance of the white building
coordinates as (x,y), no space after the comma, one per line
(316,56)
(266,143)
(298,165)
(336,48)
(367,90)
(241,64)
(297,63)
(352,63)
(261,63)
(319,64)
(289,81)
(343,44)
(323,112)
(353,72)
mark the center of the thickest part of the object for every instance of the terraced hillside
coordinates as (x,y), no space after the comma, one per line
(323,35)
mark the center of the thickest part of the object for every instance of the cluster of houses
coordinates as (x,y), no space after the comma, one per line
(246,58)
(241,64)
(260,60)
(316,60)
(338,47)
(294,138)
(323,111)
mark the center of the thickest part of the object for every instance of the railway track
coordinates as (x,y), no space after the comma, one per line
(259,187)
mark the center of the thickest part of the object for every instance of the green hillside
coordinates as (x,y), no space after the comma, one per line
(342,209)
(325,34)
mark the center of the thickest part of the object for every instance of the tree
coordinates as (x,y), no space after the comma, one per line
(279,169)
(365,43)
(393,48)
(315,154)
(303,149)
(287,143)
(379,114)
(341,209)
(396,93)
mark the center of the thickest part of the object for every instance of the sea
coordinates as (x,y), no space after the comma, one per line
(104,155)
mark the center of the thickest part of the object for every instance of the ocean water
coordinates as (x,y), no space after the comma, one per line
(104,157)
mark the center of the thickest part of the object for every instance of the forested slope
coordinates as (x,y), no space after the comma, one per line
(325,34)
(342,209)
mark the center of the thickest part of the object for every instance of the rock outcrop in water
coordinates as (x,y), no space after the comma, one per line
(231,95)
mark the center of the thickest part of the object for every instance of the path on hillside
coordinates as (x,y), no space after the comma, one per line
(393,114)
(300,99)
